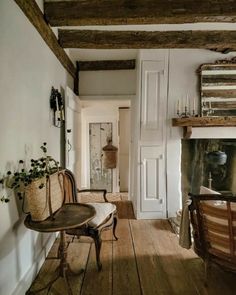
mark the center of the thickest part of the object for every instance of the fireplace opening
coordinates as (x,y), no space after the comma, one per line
(208,162)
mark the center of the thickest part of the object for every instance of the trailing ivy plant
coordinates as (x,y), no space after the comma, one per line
(20,179)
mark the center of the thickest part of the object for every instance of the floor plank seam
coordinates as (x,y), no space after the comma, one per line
(171,232)
(112,266)
(135,257)
(85,269)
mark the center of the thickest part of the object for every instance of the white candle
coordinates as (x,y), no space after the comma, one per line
(187,102)
(194,104)
(178,105)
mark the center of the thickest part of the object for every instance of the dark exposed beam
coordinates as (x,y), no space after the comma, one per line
(144,39)
(104,65)
(35,16)
(123,12)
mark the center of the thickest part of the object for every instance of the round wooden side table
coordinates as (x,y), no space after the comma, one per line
(69,216)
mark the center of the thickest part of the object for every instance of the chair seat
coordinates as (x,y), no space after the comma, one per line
(103,210)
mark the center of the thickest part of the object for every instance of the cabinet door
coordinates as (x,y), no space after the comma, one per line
(153,181)
(153,100)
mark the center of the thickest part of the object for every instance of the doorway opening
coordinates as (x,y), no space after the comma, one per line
(103,120)
(100,176)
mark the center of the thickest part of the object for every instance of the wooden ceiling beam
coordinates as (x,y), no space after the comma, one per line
(123,12)
(145,39)
(106,65)
(35,16)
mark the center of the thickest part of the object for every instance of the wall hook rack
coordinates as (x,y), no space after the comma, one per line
(57,105)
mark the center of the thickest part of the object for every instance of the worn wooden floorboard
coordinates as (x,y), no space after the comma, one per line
(95,282)
(153,279)
(146,260)
(125,274)
(170,258)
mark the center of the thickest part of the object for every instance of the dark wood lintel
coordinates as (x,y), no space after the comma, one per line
(103,65)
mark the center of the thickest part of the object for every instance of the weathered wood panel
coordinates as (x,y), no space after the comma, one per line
(218,88)
(100,177)
(145,39)
(218,67)
(35,16)
(224,105)
(224,93)
(219,80)
(123,12)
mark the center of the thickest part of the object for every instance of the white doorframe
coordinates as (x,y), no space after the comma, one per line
(73,134)
(85,148)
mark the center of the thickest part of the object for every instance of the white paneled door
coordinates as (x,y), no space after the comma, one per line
(73,134)
(153,184)
(153,139)
(153,100)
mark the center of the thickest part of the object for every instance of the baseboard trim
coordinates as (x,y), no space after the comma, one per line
(26,281)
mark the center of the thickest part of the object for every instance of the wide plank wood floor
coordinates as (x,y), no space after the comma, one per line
(146,260)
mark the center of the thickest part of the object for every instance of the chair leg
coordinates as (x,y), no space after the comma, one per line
(114,227)
(98,243)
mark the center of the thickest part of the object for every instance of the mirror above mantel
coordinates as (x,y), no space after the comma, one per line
(218,88)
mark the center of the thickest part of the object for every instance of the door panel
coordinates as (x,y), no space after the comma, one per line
(153,100)
(153,192)
(100,178)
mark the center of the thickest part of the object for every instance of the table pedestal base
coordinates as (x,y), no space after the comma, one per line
(63,270)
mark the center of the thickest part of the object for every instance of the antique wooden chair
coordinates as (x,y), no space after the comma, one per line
(105,218)
(213,219)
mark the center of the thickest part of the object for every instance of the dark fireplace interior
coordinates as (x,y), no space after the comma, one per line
(208,162)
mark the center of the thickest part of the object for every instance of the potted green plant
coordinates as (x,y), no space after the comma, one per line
(40,187)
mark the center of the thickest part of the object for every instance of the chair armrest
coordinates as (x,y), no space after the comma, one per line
(104,191)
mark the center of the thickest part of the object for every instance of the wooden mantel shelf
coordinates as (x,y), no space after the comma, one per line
(188,123)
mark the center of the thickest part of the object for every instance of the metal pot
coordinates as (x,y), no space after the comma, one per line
(217,158)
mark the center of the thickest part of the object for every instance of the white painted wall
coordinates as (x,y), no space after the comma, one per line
(28,71)
(106,83)
(97,112)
